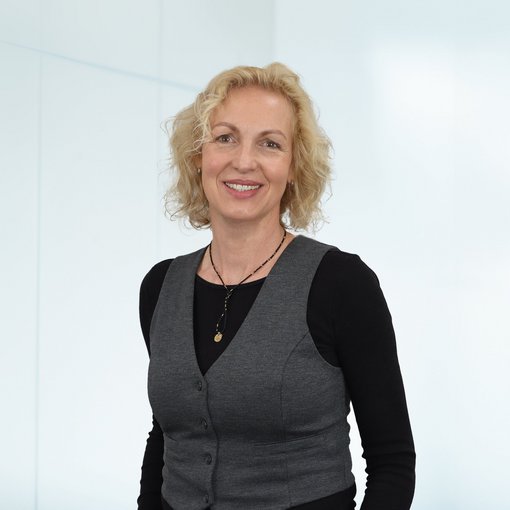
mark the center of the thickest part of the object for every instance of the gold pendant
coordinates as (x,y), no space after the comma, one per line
(217,337)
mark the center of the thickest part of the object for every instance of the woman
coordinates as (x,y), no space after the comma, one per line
(259,342)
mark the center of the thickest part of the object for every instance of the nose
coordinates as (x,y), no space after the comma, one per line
(245,158)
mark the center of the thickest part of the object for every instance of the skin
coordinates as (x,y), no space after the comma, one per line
(251,147)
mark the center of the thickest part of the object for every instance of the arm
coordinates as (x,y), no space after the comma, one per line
(151,480)
(368,356)
(350,315)
(152,465)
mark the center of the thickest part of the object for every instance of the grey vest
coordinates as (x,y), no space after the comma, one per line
(266,427)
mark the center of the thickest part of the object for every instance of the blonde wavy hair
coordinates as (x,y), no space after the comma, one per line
(190,129)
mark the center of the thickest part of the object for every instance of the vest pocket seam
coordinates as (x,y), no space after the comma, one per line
(297,439)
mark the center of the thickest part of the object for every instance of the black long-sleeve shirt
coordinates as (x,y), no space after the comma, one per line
(351,326)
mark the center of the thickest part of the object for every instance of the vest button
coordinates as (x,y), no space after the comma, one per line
(204,423)
(199,385)
(208,459)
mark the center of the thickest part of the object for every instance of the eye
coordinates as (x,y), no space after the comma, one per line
(271,144)
(224,138)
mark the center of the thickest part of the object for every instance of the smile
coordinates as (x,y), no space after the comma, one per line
(242,187)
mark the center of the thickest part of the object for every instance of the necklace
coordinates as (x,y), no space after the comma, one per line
(221,324)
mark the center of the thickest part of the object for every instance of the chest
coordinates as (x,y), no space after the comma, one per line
(269,384)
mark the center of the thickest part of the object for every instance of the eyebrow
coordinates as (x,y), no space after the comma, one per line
(263,133)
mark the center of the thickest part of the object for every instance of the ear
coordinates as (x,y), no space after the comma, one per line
(291,175)
(197,161)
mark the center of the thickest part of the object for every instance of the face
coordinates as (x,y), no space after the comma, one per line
(247,164)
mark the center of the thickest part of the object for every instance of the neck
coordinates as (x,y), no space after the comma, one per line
(238,250)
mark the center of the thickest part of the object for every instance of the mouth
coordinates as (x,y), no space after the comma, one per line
(242,187)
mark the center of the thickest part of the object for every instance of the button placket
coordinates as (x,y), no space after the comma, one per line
(204,424)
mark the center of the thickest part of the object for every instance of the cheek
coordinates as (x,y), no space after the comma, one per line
(212,167)
(213,160)
(208,188)
(284,172)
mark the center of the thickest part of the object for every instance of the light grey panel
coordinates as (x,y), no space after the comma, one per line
(19,149)
(98,236)
(20,22)
(122,34)
(201,38)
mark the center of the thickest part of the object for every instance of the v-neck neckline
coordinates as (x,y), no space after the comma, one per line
(248,318)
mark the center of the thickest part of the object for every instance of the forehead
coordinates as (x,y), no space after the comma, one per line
(255,106)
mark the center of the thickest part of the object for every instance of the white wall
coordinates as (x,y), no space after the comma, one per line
(414,97)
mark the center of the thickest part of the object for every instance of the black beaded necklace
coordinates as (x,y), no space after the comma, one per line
(222,321)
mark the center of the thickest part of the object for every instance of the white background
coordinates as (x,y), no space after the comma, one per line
(414,96)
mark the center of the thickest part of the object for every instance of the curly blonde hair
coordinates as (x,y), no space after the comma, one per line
(190,129)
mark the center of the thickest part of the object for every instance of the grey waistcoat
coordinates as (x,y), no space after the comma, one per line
(266,427)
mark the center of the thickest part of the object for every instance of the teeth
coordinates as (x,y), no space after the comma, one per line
(241,187)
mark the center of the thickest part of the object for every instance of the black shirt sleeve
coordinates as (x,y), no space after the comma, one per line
(151,478)
(347,309)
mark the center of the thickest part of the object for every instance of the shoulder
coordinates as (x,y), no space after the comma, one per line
(343,281)
(153,280)
(149,294)
(346,269)
(339,264)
